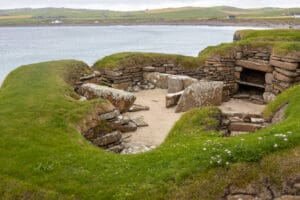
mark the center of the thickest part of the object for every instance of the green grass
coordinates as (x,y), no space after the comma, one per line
(282,42)
(187,14)
(43,155)
(128,59)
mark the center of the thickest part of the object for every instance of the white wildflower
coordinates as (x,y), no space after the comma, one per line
(204,149)
(275,145)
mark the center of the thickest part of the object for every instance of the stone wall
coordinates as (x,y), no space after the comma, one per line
(280,72)
(219,70)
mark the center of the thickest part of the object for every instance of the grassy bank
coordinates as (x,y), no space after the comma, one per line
(43,156)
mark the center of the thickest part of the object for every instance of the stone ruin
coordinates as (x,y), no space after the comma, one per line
(251,74)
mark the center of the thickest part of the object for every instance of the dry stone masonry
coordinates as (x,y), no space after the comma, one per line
(249,73)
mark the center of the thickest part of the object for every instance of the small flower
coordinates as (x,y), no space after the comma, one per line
(204,149)
(259,138)
(289,132)
(275,145)
(285,139)
(242,139)
(227,163)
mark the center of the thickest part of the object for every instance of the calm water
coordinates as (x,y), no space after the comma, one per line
(24,45)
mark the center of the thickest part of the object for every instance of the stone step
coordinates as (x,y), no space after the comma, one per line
(244,127)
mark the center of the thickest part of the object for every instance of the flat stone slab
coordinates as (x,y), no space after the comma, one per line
(108,139)
(259,66)
(140,122)
(137,108)
(284,65)
(244,127)
(241,107)
(122,100)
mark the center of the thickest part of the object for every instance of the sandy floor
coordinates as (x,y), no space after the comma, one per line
(159,118)
(241,106)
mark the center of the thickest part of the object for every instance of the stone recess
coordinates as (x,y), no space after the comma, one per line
(199,94)
(120,99)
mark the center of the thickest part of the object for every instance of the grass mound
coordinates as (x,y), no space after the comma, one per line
(42,154)
(129,59)
(282,42)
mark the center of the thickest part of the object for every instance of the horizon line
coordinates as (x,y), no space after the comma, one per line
(77,8)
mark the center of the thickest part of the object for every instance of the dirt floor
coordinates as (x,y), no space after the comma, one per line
(159,118)
(162,119)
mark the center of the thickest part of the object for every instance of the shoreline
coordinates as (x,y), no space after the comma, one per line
(191,23)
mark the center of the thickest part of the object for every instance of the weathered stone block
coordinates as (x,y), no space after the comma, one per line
(201,94)
(284,65)
(172,99)
(244,127)
(158,79)
(175,84)
(269,78)
(268,97)
(120,99)
(108,139)
(249,64)
(287,72)
(281,77)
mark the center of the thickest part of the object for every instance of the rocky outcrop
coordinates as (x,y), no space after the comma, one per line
(264,190)
(199,94)
(120,99)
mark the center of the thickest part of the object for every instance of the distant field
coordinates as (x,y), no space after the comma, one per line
(16,17)
(167,15)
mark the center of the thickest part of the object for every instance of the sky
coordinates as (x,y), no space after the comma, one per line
(125,5)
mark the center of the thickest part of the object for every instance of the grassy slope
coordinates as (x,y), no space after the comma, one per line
(46,15)
(40,148)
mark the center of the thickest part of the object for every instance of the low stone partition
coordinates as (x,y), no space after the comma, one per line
(213,69)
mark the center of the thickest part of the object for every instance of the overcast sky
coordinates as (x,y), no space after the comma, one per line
(143,4)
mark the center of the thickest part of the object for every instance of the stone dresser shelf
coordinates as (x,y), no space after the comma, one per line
(251,84)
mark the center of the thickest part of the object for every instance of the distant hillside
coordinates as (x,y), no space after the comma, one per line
(167,15)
